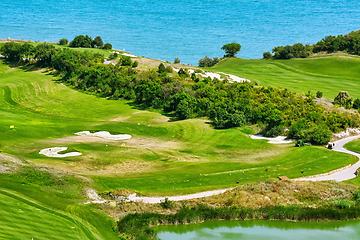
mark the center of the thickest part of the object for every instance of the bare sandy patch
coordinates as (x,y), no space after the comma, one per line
(88,168)
(105,135)
(54,152)
(276,140)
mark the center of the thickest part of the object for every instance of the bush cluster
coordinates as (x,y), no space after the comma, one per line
(349,43)
(87,42)
(208,62)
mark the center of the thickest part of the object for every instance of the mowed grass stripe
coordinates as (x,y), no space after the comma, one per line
(24,219)
(329,74)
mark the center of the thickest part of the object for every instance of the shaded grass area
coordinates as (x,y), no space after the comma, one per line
(329,74)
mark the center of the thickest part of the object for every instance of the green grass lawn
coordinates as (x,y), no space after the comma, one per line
(353,146)
(329,75)
(22,218)
(46,113)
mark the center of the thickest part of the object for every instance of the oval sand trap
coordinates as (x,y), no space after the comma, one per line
(104,134)
(53,152)
(276,140)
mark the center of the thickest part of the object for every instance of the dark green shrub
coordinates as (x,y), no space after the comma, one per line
(321,135)
(135,64)
(208,62)
(167,204)
(161,68)
(107,46)
(356,103)
(182,73)
(176,60)
(319,94)
(267,55)
(63,41)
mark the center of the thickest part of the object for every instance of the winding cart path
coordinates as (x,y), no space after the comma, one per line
(341,174)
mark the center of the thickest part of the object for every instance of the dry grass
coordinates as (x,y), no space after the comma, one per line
(91,169)
(270,193)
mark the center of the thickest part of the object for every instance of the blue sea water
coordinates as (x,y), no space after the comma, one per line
(188,29)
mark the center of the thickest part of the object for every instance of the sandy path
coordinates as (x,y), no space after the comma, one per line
(134,198)
(341,174)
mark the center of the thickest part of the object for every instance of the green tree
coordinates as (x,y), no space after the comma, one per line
(161,68)
(267,55)
(107,46)
(176,60)
(231,49)
(11,51)
(98,42)
(321,135)
(63,41)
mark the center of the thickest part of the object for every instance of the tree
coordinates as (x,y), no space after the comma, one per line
(107,46)
(63,41)
(161,68)
(183,110)
(321,135)
(11,51)
(176,60)
(98,42)
(231,49)
(267,55)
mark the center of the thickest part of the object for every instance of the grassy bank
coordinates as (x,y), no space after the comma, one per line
(329,74)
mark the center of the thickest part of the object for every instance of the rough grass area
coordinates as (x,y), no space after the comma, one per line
(329,74)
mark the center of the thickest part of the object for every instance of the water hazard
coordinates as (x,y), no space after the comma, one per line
(261,229)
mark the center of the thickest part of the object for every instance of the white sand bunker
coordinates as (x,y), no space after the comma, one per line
(54,152)
(104,134)
(277,140)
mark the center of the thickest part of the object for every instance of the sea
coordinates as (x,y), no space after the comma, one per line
(186,29)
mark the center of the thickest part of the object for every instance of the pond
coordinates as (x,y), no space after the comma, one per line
(261,229)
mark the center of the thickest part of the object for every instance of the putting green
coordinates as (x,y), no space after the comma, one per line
(23,218)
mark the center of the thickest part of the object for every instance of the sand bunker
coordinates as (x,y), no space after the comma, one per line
(104,134)
(218,75)
(53,152)
(277,140)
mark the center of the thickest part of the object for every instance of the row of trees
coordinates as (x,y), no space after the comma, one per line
(225,104)
(86,42)
(349,43)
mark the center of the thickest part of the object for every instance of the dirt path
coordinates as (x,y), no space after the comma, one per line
(341,174)
(134,198)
